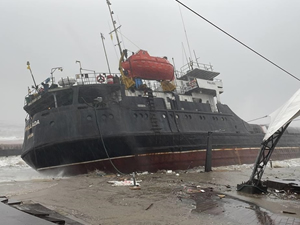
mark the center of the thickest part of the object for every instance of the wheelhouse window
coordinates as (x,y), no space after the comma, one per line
(64,98)
(88,95)
(51,100)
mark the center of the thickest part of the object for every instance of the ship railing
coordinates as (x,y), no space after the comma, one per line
(80,79)
(93,78)
(192,65)
(34,93)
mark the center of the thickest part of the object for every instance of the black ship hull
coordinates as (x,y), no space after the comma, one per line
(152,152)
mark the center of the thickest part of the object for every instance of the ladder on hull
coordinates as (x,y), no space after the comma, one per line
(153,119)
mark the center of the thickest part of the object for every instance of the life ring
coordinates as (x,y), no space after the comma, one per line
(100,78)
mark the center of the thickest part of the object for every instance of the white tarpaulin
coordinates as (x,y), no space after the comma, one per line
(285,114)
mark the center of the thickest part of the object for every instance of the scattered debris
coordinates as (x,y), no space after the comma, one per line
(123,183)
(221,196)
(100,173)
(143,173)
(149,206)
(287,212)
(288,179)
(135,188)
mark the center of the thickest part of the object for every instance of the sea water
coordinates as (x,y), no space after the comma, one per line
(13,168)
(11,133)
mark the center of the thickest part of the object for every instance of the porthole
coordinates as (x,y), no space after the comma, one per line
(110,116)
(204,117)
(164,116)
(190,117)
(135,115)
(104,117)
(89,117)
(200,117)
(51,123)
(141,115)
(213,118)
(176,116)
(146,115)
(186,116)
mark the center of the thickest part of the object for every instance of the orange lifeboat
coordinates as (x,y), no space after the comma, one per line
(142,65)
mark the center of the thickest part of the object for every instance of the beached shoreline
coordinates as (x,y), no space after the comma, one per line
(164,197)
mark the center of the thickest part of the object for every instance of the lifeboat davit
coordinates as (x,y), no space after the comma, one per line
(142,65)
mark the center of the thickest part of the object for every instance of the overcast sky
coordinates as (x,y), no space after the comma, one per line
(53,33)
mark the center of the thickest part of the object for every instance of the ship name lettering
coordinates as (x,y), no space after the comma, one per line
(33,124)
(30,136)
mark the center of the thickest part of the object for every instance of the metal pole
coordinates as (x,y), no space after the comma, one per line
(174,69)
(55,100)
(134,181)
(114,25)
(102,38)
(196,59)
(28,67)
(52,72)
(208,153)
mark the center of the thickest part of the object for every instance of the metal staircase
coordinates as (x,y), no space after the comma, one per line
(153,118)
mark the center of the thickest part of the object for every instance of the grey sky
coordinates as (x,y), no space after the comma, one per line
(53,33)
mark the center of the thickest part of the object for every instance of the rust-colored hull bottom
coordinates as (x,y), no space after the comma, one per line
(173,160)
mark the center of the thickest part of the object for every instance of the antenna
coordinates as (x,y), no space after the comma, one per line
(186,37)
(196,59)
(114,25)
(28,67)
(185,55)
(103,38)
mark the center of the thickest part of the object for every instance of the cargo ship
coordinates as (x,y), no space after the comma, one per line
(148,117)
(98,121)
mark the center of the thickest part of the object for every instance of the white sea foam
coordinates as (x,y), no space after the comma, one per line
(11,138)
(283,164)
(13,168)
(12,161)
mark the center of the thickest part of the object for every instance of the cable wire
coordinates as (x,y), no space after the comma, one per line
(122,35)
(102,141)
(238,41)
(257,118)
